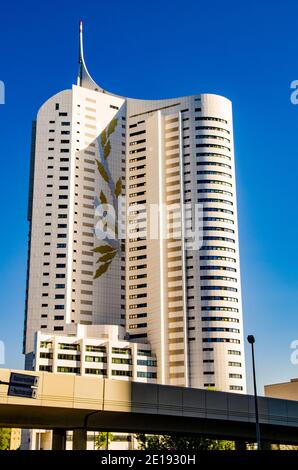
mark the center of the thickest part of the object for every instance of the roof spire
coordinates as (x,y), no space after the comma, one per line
(84,78)
(80,54)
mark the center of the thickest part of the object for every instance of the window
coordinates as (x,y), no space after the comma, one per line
(236,387)
(71,370)
(46,344)
(212,172)
(218,137)
(144,352)
(220,129)
(46,368)
(223,258)
(147,375)
(223,147)
(69,357)
(120,360)
(70,347)
(121,351)
(210,118)
(232,289)
(215,191)
(148,362)
(125,373)
(95,371)
(220,328)
(229,319)
(216,268)
(217,248)
(220,219)
(221,340)
(225,309)
(95,359)
(228,299)
(91,348)
(222,183)
(224,201)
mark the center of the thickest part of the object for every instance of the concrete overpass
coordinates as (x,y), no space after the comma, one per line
(80,403)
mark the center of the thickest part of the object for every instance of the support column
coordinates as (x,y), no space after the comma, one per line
(59,439)
(79,439)
(266,445)
(240,445)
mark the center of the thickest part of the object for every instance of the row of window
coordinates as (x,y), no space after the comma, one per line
(223,239)
(212,191)
(217,248)
(220,309)
(228,319)
(211,118)
(207,163)
(223,278)
(222,258)
(122,373)
(232,387)
(221,147)
(212,128)
(223,201)
(221,340)
(213,154)
(220,328)
(231,289)
(92,348)
(212,136)
(216,297)
(217,268)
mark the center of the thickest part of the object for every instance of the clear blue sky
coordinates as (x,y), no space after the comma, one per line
(246,51)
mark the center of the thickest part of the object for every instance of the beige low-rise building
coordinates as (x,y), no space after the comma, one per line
(286,390)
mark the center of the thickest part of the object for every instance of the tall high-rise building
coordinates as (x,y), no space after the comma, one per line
(91,148)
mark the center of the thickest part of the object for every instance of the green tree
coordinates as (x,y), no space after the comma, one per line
(102,439)
(166,442)
(4,438)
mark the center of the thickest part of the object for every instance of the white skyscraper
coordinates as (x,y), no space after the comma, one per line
(91,147)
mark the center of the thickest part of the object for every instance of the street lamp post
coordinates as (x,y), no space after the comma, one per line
(251,340)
